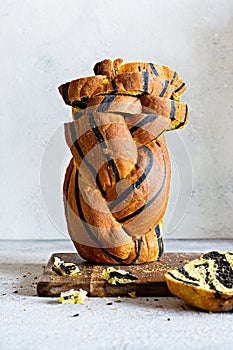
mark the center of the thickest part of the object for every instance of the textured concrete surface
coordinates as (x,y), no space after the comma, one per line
(44,43)
(29,322)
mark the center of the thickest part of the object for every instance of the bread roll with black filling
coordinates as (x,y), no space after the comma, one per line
(117,184)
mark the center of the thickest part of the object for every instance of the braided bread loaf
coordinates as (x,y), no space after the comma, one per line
(117,183)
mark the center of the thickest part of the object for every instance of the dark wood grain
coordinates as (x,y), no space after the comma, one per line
(151,281)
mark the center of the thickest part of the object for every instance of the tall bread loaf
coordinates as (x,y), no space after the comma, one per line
(117,184)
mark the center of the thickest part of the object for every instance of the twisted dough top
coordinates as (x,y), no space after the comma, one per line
(131,79)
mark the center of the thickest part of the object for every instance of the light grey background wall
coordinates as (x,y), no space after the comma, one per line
(47,42)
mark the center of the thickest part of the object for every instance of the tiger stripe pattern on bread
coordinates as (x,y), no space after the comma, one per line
(117,184)
(206,283)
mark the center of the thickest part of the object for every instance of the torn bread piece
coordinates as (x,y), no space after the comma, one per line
(107,67)
(73,296)
(116,277)
(63,269)
(206,283)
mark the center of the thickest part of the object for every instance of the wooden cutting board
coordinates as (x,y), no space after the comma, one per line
(151,281)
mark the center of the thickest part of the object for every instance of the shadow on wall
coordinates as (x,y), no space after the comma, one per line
(209,135)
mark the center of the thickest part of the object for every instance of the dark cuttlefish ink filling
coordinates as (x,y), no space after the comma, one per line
(65,93)
(186,274)
(166,84)
(207,274)
(180,87)
(87,227)
(180,279)
(207,279)
(218,295)
(114,86)
(66,186)
(224,273)
(96,68)
(136,184)
(160,240)
(161,247)
(154,69)
(128,275)
(88,164)
(106,103)
(185,118)
(157,231)
(56,270)
(145,77)
(139,246)
(104,146)
(78,115)
(80,103)
(173,110)
(145,206)
(173,78)
(146,120)
(66,269)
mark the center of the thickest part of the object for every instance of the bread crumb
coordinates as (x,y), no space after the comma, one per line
(73,297)
(118,276)
(132,294)
(64,268)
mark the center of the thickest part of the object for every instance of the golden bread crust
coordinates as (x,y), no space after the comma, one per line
(176,111)
(148,249)
(197,297)
(139,83)
(82,89)
(115,104)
